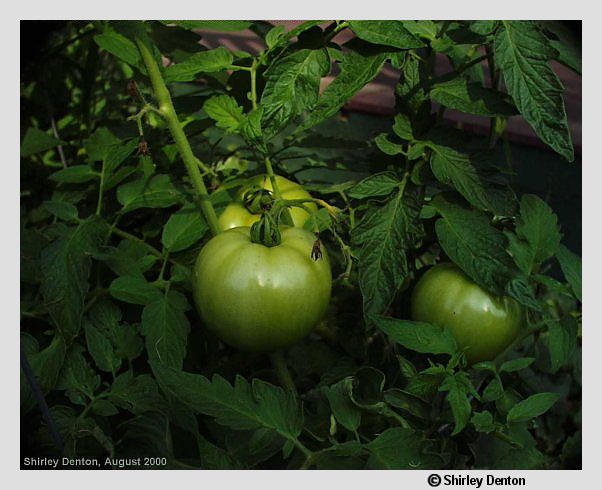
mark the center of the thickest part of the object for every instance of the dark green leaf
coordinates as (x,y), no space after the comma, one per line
(417,336)
(522,52)
(386,146)
(36,141)
(225,111)
(155,192)
(183,229)
(356,71)
(377,185)
(474,245)
(386,234)
(78,378)
(203,62)
(483,421)
(387,32)
(115,155)
(75,175)
(65,267)
(292,86)
(165,328)
(62,210)
(137,394)
(473,98)
(402,449)
(119,46)
(346,413)
(457,387)
(101,350)
(456,168)
(212,25)
(570,264)
(537,235)
(516,364)
(46,366)
(135,290)
(240,406)
(493,391)
(562,340)
(532,407)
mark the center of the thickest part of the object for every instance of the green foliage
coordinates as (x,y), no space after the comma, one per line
(113,218)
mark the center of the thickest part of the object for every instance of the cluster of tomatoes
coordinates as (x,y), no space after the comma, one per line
(262,299)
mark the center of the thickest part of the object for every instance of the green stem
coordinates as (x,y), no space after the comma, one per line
(253,73)
(288,219)
(282,371)
(168,112)
(100,189)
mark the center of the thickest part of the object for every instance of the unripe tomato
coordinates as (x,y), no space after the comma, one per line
(258,298)
(236,214)
(479,321)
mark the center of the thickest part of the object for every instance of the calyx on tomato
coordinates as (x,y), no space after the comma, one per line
(248,204)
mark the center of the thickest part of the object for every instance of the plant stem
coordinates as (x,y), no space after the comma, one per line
(282,371)
(100,189)
(253,73)
(288,219)
(168,112)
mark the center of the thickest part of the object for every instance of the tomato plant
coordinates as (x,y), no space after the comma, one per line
(230,261)
(482,324)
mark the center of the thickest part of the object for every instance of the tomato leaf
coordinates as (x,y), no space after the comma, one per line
(376,185)
(522,52)
(36,141)
(292,86)
(385,234)
(570,264)
(241,406)
(356,71)
(75,175)
(183,229)
(457,387)
(537,235)
(135,290)
(532,407)
(474,245)
(472,98)
(417,336)
(225,111)
(165,328)
(210,61)
(101,350)
(65,267)
(346,413)
(402,449)
(155,192)
(387,32)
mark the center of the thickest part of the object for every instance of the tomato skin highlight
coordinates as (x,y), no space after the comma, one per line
(479,321)
(258,298)
(236,214)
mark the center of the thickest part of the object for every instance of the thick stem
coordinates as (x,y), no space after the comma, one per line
(168,112)
(282,371)
(253,73)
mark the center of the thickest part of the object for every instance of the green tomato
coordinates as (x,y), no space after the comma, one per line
(480,322)
(258,298)
(236,214)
